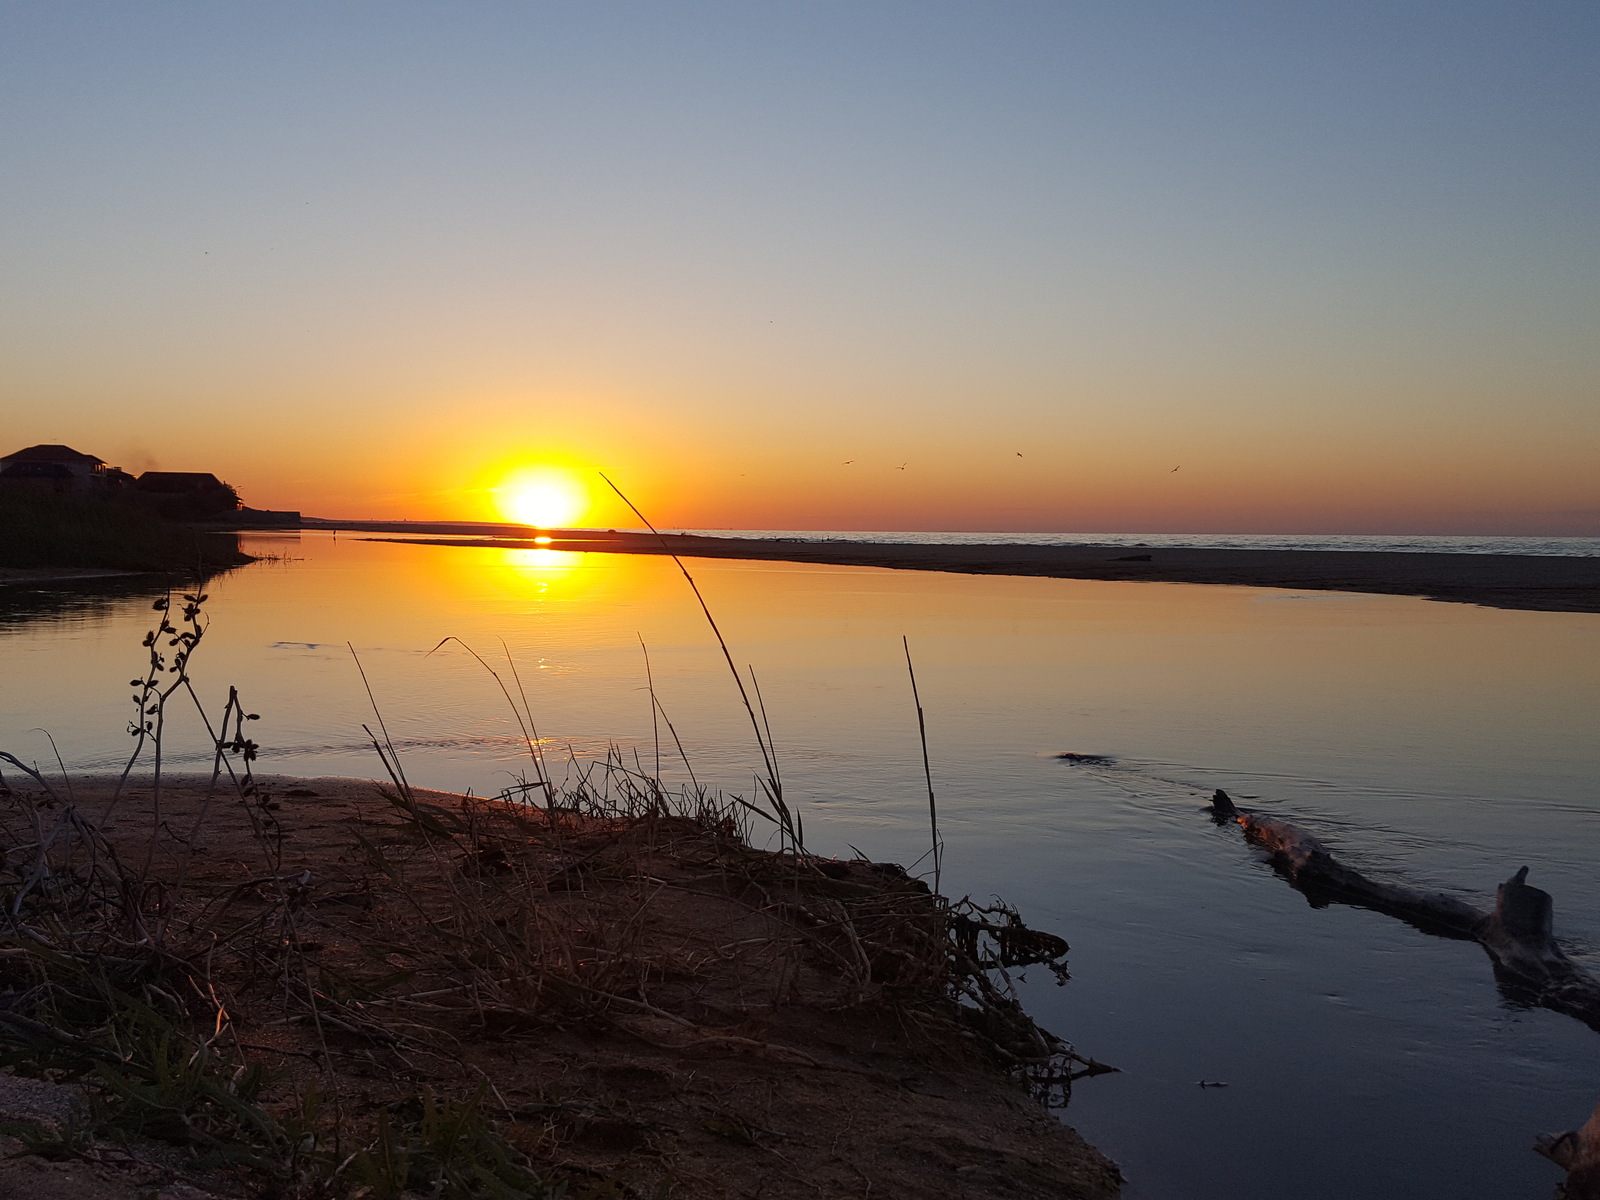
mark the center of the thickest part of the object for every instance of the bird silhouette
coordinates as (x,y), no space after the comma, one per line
(1173,469)
(901,467)
(1019,453)
(848,461)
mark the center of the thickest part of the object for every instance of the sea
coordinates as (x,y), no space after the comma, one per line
(1559,547)
(1440,745)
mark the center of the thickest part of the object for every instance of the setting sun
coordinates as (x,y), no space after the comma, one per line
(545,497)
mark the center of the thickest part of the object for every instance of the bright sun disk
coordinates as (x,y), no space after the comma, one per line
(544,498)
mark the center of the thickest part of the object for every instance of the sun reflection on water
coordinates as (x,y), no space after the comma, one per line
(554,562)
(546,574)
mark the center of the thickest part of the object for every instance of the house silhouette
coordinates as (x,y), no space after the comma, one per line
(60,468)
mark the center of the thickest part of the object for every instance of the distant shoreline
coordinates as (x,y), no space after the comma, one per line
(1545,583)
(48,575)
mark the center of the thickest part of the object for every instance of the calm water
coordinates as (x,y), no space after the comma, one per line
(1442,743)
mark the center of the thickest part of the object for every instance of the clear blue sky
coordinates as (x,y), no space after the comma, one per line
(1341,262)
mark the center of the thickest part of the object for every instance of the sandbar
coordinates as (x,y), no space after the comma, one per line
(1513,581)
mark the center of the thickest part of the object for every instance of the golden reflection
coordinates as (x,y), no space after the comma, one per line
(571,579)
(559,561)
(504,578)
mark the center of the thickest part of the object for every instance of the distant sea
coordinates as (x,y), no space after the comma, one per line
(1560,547)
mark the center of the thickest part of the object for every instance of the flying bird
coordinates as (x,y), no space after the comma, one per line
(1173,469)
(848,461)
(901,467)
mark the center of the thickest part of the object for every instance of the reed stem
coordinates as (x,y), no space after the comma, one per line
(927,771)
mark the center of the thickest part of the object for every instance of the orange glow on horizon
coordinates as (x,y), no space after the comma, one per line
(1101,475)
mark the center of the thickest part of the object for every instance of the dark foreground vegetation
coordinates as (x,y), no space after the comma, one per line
(61,530)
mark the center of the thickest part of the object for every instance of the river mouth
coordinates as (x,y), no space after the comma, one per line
(1446,745)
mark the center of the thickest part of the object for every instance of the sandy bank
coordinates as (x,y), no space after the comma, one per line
(1499,581)
(43,576)
(643,1002)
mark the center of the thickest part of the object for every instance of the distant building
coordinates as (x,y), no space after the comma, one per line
(177,495)
(194,492)
(60,468)
(179,483)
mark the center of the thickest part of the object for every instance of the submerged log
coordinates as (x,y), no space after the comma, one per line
(1518,934)
(1577,1152)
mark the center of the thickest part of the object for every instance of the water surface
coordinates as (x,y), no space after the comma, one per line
(1445,744)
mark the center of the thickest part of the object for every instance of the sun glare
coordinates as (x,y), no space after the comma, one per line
(544,497)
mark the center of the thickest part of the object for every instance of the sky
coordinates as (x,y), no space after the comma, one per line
(1147,267)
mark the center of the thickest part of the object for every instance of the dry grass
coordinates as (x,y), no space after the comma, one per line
(592,998)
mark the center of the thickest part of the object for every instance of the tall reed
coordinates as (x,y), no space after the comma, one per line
(789,824)
(927,771)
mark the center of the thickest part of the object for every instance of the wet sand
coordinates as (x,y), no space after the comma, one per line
(44,576)
(1544,583)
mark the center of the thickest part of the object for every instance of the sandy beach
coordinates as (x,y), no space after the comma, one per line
(1545,583)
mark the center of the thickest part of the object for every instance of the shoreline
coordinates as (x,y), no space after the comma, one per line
(24,575)
(48,576)
(1542,583)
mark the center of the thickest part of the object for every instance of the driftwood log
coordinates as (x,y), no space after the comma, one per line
(1576,1152)
(1529,965)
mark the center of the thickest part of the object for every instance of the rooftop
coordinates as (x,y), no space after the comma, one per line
(52,454)
(178,481)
